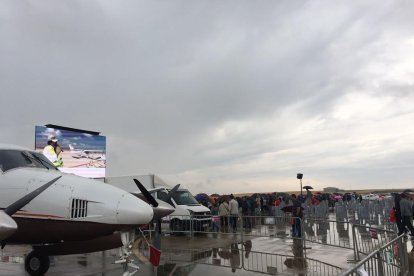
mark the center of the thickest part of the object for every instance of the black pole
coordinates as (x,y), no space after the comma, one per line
(300,176)
(157,234)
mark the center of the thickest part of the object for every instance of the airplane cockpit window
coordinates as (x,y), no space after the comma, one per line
(43,160)
(11,159)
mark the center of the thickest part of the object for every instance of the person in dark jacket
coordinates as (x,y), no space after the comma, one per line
(297,214)
(406,208)
(398,217)
(245,213)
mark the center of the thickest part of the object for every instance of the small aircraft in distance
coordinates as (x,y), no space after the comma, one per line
(90,154)
(62,214)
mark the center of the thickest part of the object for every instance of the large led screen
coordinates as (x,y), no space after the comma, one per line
(73,152)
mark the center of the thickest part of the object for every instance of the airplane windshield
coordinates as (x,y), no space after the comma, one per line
(184,198)
(164,197)
(11,159)
(43,160)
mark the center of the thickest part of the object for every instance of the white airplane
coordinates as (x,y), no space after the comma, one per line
(62,214)
(91,154)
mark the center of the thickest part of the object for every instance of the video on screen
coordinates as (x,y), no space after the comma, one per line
(73,152)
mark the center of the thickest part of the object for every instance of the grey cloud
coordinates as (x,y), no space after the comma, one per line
(158,78)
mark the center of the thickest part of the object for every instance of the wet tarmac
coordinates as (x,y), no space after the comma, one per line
(205,254)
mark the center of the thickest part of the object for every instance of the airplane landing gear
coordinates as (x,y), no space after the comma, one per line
(126,259)
(36,264)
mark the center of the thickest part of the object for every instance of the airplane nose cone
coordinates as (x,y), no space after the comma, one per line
(163,209)
(7,226)
(133,211)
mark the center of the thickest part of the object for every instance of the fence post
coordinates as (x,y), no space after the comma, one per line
(402,253)
(303,238)
(356,253)
(241,228)
(191,226)
(380,264)
(242,256)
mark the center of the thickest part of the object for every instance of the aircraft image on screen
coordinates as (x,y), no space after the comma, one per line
(63,214)
(88,153)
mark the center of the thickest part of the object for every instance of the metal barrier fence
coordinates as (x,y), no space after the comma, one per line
(338,233)
(271,263)
(390,259)
(361,238)
(370,212)
(245,226)
(239,256)
(368,239)
(329,232)
(261,226)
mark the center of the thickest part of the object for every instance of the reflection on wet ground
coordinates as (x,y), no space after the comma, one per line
(266,248)
(238,257)
(225,256)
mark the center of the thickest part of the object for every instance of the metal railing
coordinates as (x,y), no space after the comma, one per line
(261,226)
(241,226)
(239,256)
(329,232)
(271,263)
(367,239)
(390,259)
(342,234)
(361,238)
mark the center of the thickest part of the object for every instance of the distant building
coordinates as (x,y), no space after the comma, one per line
(332,190)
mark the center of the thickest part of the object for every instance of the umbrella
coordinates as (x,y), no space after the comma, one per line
(307,187)
(202,197)
(408,191)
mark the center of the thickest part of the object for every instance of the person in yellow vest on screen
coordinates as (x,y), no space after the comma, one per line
(53,152)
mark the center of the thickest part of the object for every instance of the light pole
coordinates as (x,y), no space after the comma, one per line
(300,176)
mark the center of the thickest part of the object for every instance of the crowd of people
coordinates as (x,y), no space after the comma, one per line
(228,209)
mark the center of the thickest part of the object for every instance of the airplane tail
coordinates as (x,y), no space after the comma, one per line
(71,148)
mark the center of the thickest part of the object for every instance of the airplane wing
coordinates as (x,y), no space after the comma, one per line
(7,224)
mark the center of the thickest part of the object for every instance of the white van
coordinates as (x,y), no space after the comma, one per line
(188,212)
(184,202)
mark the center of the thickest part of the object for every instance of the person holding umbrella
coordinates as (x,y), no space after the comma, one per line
(297,215)
(308,193)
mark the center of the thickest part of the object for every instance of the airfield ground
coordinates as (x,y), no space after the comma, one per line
(182,262)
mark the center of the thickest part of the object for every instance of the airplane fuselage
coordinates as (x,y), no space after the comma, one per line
(72,209)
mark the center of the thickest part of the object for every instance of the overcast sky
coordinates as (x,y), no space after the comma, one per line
(221,96)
